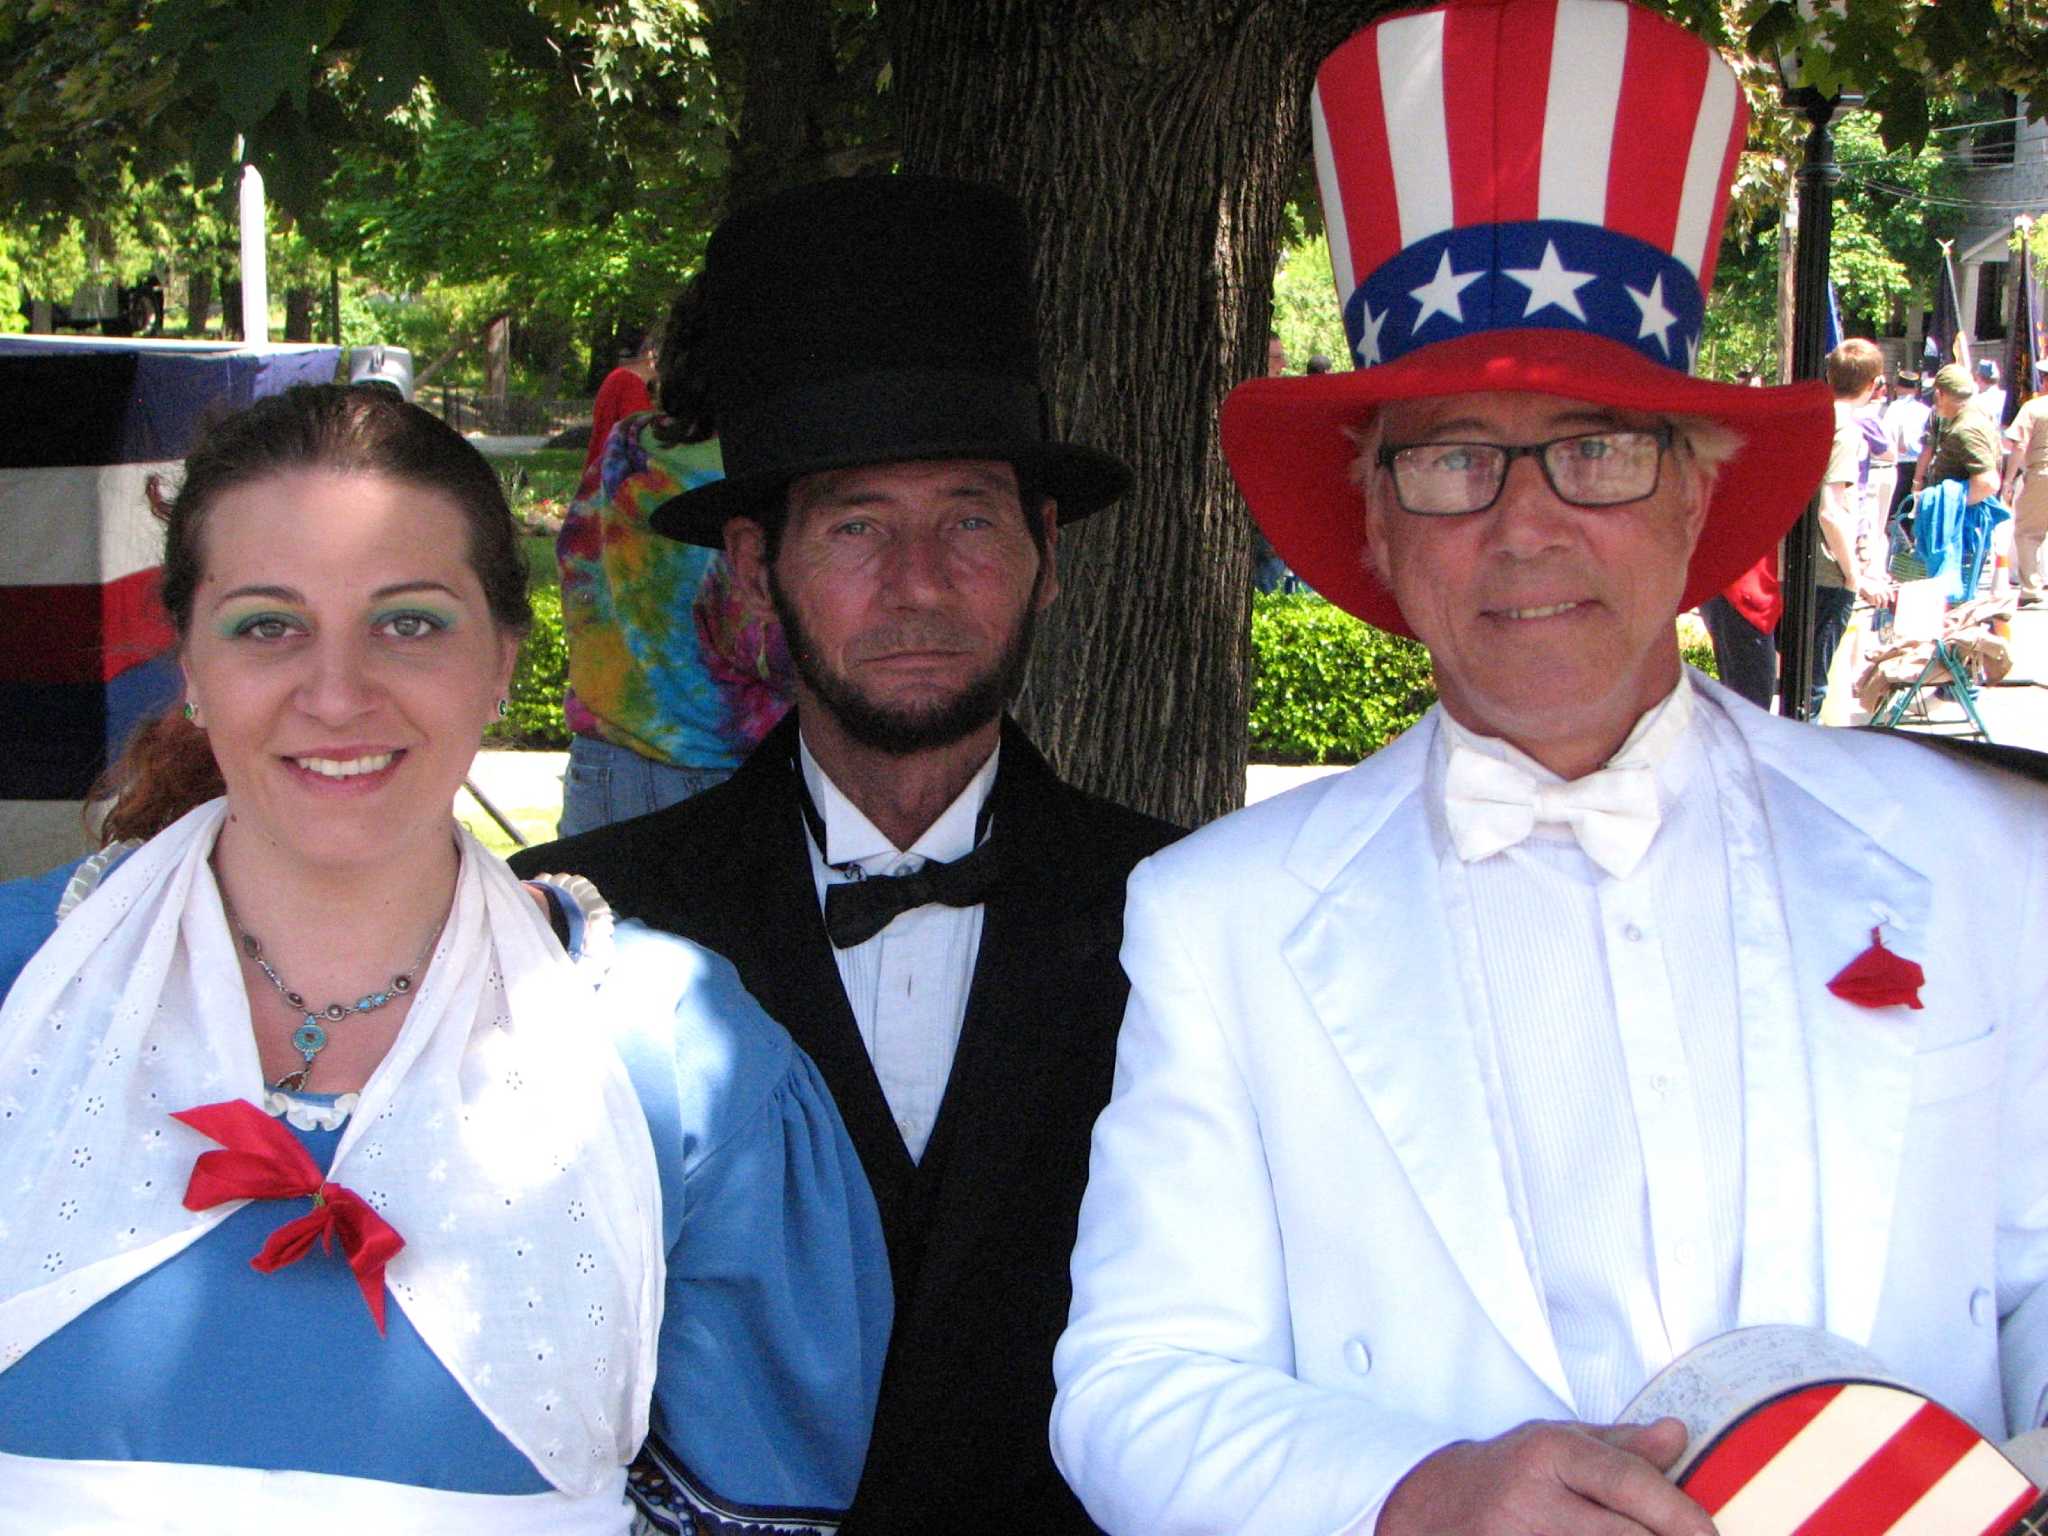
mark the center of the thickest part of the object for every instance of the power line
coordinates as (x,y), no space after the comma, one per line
(1930,200)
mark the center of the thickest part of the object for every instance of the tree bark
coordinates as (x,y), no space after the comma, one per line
(498,357)
(1154,145)
(298,313)
(784,51)
(198,301)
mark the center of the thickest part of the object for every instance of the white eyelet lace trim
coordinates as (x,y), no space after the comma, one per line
(86,878)
(596,951)
(308,1114)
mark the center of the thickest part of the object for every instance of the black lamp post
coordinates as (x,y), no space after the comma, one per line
(1817,177)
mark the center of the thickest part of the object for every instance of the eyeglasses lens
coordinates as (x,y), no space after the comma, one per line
(1592,469)
(1603,468)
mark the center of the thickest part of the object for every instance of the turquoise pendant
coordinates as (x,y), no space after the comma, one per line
(308,1038)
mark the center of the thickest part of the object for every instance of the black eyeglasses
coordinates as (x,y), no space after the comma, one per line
(1587,469)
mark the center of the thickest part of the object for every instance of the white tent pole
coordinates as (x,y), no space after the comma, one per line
(255,265)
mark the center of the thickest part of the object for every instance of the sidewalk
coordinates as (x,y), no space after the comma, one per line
(2015,711)
(527,786)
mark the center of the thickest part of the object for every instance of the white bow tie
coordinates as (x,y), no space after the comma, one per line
(1492,805)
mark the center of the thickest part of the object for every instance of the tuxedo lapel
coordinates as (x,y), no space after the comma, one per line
(1838,881)
(1035,931)
(1384,979)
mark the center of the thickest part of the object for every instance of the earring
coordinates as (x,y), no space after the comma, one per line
(504,708)
(191,712)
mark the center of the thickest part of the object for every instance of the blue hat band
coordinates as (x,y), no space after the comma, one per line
(1548,274)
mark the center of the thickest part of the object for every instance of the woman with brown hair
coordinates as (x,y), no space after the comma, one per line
(308,1012)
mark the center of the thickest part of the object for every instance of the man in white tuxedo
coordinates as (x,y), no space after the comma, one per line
(1460,1093)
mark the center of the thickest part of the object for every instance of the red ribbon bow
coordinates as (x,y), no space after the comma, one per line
(1877,978)
(264,1161)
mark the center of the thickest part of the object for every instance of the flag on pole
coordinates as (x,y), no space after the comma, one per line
(2023,346)
(1946,340)
(1834,337)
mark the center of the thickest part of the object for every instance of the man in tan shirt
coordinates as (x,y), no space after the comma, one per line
(2026,471)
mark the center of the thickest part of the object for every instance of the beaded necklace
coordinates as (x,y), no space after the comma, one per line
(310,1038)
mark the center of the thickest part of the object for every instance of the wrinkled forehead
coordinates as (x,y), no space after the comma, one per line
(1501,416)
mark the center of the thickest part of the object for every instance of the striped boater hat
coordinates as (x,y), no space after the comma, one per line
(1521,195)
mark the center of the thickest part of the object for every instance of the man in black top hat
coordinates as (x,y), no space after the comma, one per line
(896,872)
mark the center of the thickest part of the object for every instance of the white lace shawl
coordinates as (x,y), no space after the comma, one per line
(500,1136)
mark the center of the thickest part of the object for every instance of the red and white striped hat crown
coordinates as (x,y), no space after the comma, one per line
(1558,163)
(1521,195)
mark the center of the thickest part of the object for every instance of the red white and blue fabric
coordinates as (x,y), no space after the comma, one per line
(84,646)
(1560,165)
(1521,196)
(1858,1459)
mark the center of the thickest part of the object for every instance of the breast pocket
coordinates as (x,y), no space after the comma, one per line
(1954,1071)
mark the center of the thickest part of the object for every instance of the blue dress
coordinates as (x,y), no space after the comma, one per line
(777,1291)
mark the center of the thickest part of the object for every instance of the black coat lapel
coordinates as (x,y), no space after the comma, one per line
(774,933)
(1037,936)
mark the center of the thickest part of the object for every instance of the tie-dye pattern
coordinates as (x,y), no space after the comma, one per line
(664,656)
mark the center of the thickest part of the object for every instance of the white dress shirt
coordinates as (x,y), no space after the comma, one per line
(1612,1008)
(908,984)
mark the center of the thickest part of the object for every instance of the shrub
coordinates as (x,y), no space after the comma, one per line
(534,716)
(1327,687)
(1695,648)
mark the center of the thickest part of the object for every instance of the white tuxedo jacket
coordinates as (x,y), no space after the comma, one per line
(1299,1270)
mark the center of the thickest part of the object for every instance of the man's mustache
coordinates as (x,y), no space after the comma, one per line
(901,639)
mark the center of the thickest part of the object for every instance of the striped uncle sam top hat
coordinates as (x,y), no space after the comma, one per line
(1527,196)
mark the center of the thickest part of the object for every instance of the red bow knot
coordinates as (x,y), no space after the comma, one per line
(264,1161)
(1877,978)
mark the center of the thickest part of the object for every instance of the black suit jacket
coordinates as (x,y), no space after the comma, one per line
(980,1232)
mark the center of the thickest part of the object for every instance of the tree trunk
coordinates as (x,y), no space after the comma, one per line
(498,358)
(298,313)
(230,306)
(1154,145)
(198,301)
(784,50)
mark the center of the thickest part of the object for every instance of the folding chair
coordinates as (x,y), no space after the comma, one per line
(1916,614)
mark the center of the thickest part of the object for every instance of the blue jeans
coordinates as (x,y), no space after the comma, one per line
(1746,657)
(1831,609)
(607,783)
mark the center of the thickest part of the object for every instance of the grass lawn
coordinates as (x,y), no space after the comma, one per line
(541,570)
(536,824)
(548,474)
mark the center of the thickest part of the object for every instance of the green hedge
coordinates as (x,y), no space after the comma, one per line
(1327,688)
(534,716)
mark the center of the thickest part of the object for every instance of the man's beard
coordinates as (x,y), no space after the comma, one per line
(901,730)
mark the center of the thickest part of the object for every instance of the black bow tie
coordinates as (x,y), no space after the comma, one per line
(859,909)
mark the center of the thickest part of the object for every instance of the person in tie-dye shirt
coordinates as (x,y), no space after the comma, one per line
(673,679)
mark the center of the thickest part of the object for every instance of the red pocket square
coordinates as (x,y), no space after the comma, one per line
(1877,978)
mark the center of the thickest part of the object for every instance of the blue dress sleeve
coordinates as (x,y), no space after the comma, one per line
(28,916)
(778,1292)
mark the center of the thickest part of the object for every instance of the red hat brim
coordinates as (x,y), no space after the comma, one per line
(1286,442)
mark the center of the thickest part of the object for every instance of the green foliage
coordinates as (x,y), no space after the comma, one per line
(1327,687)
(1305,313)
(1883,250)
(544,480)
(526,210)
(534,716)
